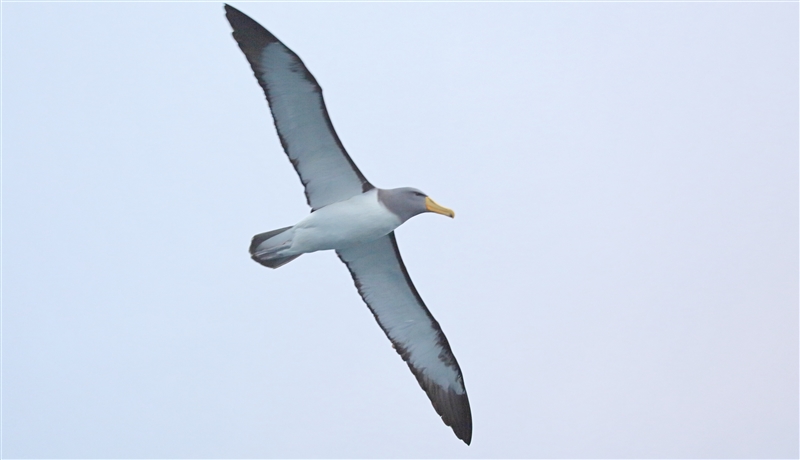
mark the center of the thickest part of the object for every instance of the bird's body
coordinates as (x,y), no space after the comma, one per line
(360,219)
(352,217)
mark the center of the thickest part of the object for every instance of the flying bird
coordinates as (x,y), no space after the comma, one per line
(352,217)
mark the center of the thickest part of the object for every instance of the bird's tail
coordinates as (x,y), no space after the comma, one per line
(264,251)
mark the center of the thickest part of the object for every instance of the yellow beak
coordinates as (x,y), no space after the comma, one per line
(431,206)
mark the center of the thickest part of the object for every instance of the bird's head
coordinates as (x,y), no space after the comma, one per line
(407,202)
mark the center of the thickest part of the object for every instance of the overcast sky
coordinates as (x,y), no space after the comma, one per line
(621,279)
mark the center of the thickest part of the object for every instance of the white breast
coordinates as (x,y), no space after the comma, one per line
(360,219)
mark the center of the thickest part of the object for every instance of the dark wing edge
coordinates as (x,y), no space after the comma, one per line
(252,38)
(453,408)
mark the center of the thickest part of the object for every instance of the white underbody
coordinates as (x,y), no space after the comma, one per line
(358,220)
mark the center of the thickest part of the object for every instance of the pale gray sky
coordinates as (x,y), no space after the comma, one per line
(621,279)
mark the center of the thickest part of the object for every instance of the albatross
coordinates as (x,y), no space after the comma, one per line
(352,217)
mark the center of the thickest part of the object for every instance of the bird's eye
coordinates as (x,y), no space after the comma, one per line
(419,194)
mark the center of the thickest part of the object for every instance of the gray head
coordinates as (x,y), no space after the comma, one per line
(407,202)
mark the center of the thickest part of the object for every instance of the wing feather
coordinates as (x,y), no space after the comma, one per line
(385,286)
(301,118)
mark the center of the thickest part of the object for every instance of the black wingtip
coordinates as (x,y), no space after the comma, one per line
(451,406)
(462,426)
(248,33)
(455,412)
(232,12)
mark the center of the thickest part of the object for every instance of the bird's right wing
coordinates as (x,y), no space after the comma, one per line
(384,284)
(304,127)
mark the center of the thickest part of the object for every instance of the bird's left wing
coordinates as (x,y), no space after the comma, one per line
(304,127)
(384,284)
